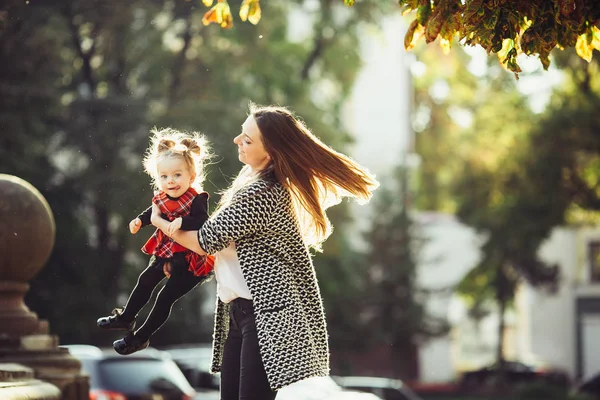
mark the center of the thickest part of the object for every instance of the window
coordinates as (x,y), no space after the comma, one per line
(594,260)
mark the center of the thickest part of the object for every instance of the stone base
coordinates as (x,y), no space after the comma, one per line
(18,383)
(49,363)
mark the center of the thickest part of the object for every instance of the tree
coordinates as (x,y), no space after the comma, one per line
(393,309)
(442,94)
(514,175)
(566,160)
(479,172)
(500,27)
(499,200)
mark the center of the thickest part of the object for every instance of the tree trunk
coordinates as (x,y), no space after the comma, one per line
(501,327)
(502,299)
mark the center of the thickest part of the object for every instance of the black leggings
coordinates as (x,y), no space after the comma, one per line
(243,375)
(180,283)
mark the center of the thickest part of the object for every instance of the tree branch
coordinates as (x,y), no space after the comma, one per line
(86,57)
(320,41)
(180,61)
(583,195)
(117,72)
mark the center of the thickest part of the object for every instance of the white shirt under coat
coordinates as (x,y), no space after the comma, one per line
(228,273)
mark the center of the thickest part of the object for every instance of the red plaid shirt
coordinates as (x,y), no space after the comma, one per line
(163,246)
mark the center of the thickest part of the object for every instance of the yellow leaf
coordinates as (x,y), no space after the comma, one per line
(413,34)
(255,13)
(219,14)
(507,45)
(596,38)
(583,48)
(244,9)
(250,10)
(207,3)
(227,20)
(209,17)
(445,45)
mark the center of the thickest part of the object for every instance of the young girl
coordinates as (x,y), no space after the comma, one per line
(174,161)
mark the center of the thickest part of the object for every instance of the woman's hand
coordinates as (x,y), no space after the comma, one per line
(156,216)
(188,239)
(174,226)
(135,225)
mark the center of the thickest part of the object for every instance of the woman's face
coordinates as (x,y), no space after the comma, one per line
(251,150)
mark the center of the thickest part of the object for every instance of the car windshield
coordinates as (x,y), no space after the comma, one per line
(141,376)
(196,357)
(311,388)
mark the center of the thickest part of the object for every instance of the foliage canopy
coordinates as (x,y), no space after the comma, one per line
(502,27)
(508,28)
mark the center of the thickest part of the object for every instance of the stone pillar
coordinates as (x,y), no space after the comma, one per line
(26,240)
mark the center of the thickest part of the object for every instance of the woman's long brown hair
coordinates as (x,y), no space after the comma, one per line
(316,175)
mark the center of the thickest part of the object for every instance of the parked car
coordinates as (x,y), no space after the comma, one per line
(590,387)
(385,388)
(321,388)
(516,373)
(194,362)
(146,375)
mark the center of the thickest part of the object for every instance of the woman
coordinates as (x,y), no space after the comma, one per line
(270,326)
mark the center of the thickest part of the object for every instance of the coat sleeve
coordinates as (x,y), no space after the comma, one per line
(249,212)
(198,214)
(145,216)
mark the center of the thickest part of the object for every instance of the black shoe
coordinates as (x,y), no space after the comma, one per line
(114,322)
(129,344)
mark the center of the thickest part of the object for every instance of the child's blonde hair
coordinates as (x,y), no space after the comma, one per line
(192,147)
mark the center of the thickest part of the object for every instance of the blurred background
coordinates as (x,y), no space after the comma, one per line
(482,246)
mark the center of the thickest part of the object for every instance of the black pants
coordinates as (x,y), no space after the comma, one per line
(243,374)
(180,283)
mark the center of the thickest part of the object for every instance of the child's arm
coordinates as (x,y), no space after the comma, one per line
(144,217)
(187,239)
(198,213)
(140,221)
(195,219)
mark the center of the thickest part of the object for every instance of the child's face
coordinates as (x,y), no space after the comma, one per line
(173,176)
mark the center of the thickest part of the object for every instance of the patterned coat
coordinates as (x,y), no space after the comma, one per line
(290,319)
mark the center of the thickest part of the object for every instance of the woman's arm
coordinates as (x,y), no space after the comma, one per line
(248,214)
(188,239)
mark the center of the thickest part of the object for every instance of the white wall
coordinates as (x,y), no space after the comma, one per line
(378,111)
(550,320)
(449,250)
(551,327)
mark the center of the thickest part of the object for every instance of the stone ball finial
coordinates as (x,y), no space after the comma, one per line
(27,230)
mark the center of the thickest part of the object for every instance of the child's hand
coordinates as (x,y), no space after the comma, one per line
(135,225)
(174,226)
(167,267)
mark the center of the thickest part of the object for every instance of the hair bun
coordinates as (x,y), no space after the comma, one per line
(164,145)
(192,145)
